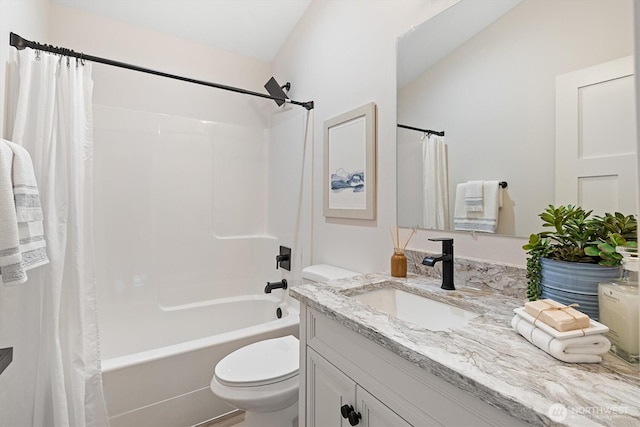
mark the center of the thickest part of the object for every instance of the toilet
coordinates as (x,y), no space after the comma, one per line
(262,378)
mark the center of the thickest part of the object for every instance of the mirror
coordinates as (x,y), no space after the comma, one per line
(493,75)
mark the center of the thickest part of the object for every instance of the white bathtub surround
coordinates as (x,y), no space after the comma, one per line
(51,321)
(192,220)
(487,358)
(158,365)
(161,242)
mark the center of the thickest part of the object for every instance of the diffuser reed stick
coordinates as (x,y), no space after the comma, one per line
(413,231)
(396,238)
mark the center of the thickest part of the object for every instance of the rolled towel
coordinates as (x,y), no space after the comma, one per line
(585,349)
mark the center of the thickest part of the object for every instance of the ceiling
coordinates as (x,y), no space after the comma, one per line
(431,41)
(254,28)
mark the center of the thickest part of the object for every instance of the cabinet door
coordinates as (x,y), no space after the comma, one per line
(328,388)
(375,413)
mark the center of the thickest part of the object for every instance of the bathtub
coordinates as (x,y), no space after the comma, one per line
(157,364)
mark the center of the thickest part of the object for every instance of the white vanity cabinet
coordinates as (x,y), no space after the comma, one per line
(330,392)
(340,367)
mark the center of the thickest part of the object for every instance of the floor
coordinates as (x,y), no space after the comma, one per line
(235,420)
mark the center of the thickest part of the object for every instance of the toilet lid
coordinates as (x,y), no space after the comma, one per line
(260,363)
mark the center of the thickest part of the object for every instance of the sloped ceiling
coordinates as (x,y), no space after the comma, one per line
(255,28)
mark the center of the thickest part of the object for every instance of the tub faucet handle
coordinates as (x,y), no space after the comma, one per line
(283,260)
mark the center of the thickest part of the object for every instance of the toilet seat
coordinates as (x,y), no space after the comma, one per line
(261,363)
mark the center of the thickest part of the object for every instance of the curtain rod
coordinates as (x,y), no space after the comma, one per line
(21,43)
(431,132)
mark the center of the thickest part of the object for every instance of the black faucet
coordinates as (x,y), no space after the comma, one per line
(447,262)
(275,285)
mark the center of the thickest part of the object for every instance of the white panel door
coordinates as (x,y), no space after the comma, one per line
(596,138)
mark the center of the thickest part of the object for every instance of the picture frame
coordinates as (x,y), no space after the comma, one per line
(350,164)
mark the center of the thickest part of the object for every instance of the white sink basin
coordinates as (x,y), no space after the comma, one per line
(421,311)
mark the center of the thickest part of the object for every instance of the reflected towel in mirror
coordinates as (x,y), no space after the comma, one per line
(473,196)
(485,221)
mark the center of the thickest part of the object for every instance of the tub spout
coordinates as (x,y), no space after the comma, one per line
(275,285)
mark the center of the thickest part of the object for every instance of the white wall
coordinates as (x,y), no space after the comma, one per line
(495,96)
(343,55)
(108,38)
(28,18)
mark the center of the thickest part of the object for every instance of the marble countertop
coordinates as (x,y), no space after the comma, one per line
(486,357)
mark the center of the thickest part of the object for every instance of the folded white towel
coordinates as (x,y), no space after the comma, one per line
(10,257)
(21,214)
(485,221)
(473,196)
(585,349)
(25,189)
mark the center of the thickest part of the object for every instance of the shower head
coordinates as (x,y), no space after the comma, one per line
(277,91)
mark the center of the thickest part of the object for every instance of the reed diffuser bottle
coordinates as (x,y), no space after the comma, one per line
(398,263)
(398,259)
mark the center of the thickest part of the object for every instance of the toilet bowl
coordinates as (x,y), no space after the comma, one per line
(262,378)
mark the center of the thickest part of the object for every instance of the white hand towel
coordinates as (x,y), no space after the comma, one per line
(485,221)
(473,196)
(10,258)
(585,349)
(25,189)
(26,218)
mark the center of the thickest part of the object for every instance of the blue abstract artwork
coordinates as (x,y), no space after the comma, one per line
(343,180)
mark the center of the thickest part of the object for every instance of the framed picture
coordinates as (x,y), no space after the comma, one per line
(350,164)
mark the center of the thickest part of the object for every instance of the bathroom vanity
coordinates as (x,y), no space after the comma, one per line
(360,364)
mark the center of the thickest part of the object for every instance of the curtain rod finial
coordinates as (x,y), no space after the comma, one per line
(17,41)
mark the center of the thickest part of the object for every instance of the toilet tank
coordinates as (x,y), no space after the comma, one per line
(324,272)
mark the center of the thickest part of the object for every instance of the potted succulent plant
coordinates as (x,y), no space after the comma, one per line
(578,246)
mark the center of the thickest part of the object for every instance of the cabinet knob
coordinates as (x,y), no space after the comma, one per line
(354,418)
(345,410)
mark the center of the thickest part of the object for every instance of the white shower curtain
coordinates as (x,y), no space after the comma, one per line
(51,320)
(435,182)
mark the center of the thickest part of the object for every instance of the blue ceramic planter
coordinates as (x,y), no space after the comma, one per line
(575,282)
